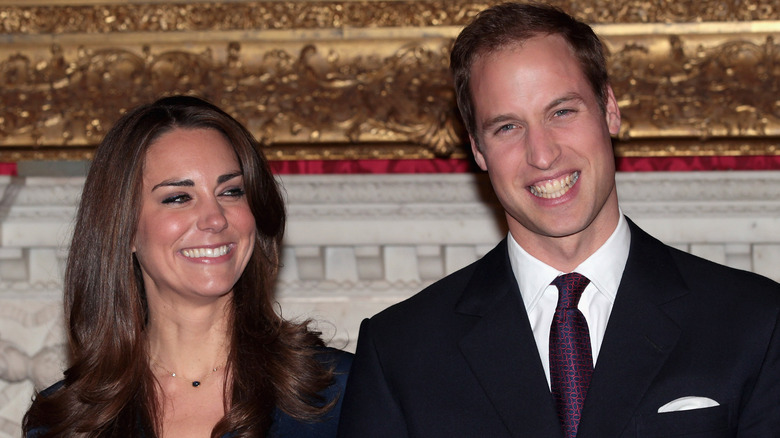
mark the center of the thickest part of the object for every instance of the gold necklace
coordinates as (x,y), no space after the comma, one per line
(195,382)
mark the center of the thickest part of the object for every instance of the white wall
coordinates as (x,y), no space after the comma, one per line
(358,243)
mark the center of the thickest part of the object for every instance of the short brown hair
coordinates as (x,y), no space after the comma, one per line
(513,23)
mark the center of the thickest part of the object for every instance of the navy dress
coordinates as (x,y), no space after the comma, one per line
(283,425)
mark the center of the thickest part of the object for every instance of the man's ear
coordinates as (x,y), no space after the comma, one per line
(478,157)
(612,112)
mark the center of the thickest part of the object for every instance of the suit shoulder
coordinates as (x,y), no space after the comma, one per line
(435,298)
(443,302)
(705,274)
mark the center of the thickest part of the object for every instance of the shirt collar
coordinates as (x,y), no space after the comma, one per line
(604,267)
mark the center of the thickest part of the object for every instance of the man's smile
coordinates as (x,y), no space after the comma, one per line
(554,188)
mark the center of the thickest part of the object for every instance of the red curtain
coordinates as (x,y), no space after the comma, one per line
(8,169)
(640,164)
(372,166)
(645,164)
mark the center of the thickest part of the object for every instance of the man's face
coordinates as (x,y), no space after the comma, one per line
(545,143)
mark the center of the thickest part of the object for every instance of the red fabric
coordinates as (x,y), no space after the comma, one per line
(624,164)
(463,165)
(743,162)
(372,166)
(8,169)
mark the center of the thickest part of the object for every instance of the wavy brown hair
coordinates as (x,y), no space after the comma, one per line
(109,389)
(508,24)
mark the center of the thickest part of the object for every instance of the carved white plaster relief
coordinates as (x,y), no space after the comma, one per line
(358,243)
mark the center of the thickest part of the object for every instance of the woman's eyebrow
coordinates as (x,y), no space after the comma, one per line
(189,183)
(227,177)
(174,183)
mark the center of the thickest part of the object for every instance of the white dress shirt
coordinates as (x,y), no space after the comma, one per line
(604,268)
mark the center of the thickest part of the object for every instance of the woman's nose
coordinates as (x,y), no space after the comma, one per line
(212,217)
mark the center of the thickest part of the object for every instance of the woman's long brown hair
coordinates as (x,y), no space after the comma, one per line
(109,389)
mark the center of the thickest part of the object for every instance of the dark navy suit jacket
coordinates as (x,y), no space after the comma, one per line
(283,425)
(459,359)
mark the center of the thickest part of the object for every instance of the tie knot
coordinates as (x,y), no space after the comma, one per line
(570,288)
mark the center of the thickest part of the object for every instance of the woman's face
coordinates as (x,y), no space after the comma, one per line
(195,231)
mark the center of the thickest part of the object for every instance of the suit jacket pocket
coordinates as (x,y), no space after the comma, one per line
(706,422)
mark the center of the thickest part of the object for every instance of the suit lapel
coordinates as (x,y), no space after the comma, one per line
(501,350)
(638,339)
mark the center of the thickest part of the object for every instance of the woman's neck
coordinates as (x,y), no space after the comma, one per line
(189,342)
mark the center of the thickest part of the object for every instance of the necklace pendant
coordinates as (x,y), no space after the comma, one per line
(195,383)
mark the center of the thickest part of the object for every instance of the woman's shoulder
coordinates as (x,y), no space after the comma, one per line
(37,430)
(339,361)
(51,389)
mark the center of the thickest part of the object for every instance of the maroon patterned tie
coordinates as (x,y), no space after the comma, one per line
(571,360)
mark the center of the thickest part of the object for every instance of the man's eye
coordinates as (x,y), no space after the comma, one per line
(505,128)
(563,112)
(176,199)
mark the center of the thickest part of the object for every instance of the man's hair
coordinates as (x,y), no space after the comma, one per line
(512,24)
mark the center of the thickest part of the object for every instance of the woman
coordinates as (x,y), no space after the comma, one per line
(168,293)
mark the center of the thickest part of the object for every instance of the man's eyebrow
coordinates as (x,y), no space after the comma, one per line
(563,99)
(497,120)
(505,117)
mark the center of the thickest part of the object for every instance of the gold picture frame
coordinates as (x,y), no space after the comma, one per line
(364,79)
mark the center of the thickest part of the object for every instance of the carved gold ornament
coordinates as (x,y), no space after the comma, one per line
(370,79)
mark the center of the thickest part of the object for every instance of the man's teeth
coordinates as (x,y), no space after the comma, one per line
(205,252)
(556,188)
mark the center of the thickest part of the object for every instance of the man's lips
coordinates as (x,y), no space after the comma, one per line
(554,188)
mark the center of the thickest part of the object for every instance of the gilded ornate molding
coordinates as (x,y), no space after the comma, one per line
(110,16)
(369,79)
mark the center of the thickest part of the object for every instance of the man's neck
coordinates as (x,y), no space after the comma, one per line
(565,253)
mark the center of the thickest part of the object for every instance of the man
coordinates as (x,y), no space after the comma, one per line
(578,323)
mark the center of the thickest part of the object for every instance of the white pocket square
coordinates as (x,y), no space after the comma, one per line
(687,403)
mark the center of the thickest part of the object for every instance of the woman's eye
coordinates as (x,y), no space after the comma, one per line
(235,192)
(176,199)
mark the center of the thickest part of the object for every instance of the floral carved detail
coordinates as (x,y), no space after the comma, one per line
(325,96)
(284,96)
(726,90)
(160,16)
(370,79)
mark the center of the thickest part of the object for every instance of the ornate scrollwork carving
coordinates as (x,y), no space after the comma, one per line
(303,95)
(117,16)
(727,90)
(367,79)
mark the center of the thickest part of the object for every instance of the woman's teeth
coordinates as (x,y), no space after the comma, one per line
(206,252)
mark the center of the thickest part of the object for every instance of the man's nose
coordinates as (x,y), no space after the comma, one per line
(542,148)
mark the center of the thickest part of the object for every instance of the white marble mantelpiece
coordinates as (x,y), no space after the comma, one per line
(358,243)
